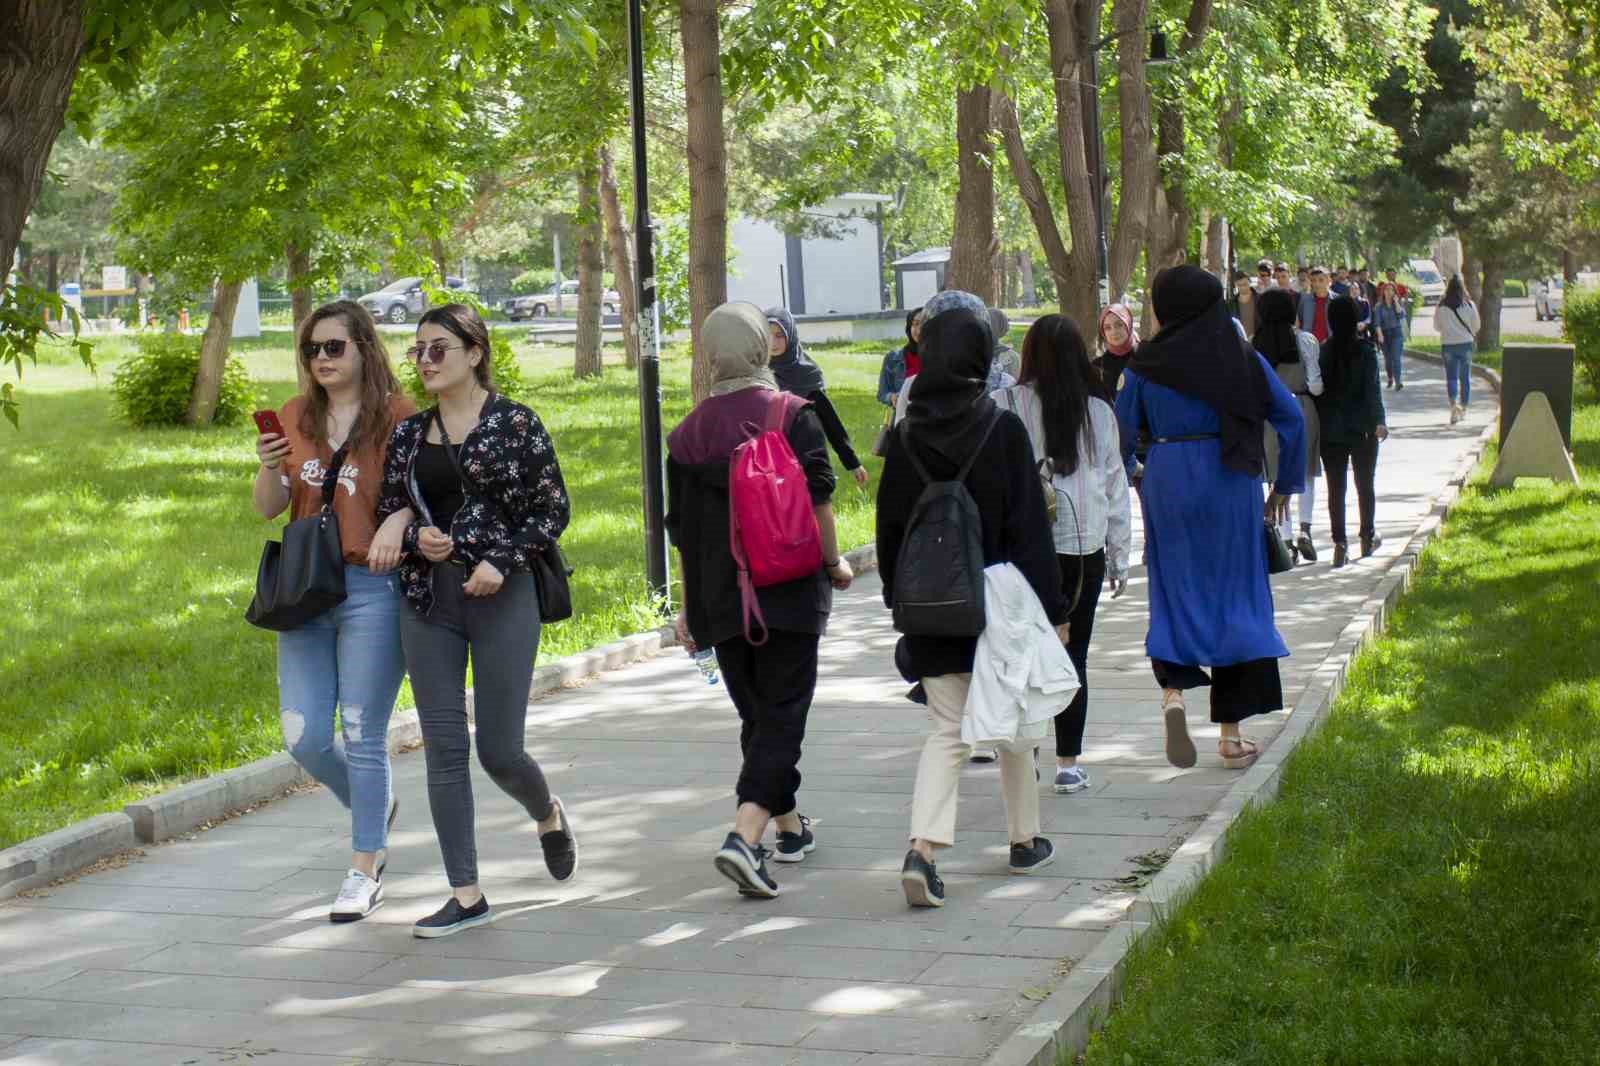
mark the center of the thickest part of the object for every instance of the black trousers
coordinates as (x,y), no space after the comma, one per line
(1070,722)
(1363,458)
(1237,691)
(771,686)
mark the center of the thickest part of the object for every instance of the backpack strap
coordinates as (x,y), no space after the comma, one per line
(966,468)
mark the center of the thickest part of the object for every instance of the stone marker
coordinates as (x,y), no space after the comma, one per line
(1534,447)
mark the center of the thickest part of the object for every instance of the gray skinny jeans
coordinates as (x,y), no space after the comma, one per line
(502,633)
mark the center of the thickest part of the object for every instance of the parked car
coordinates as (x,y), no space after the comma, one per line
(403,299)
(543,304)
(1431,281)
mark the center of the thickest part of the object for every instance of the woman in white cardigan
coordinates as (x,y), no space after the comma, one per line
(1457,320)
(1075,437)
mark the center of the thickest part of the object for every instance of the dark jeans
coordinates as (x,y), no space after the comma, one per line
(1237,691)
(502,634)
(1070,722)
(771,686)
(1363,458)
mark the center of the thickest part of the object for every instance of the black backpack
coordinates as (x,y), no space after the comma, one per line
(938,578)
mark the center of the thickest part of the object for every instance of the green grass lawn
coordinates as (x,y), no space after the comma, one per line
(126,661)
(1424,888)
(1489,357)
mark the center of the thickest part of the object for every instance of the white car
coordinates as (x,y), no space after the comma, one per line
(544,304)
(1432,282)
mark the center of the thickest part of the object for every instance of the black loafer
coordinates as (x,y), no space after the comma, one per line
(560,846)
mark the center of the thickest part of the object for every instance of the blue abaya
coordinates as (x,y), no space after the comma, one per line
(1210,603)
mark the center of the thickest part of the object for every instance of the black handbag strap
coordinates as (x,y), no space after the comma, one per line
(455,460)
(330,475)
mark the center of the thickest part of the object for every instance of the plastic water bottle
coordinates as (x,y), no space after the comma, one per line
(706,660)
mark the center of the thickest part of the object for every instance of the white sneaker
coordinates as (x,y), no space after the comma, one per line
(359,896)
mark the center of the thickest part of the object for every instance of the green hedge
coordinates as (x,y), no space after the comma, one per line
(152,387)
(1580,324)
(1516,288)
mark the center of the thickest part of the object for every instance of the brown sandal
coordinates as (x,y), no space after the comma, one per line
(1180,749)
(1248,753)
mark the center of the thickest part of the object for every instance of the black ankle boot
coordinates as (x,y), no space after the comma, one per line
(1306,548)
(1341,554)
(1370,544)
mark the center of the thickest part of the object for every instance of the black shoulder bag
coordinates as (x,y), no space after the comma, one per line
(550,570)
(302,576)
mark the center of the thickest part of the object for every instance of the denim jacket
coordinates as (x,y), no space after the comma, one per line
(891,375)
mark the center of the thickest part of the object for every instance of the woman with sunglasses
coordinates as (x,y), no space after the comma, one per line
(480,473)
(347,660)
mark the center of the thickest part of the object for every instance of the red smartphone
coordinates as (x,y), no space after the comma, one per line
(267,422)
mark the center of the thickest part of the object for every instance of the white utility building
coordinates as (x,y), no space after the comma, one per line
(836,271)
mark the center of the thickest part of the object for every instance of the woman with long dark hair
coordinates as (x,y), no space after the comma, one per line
(1205,398)
(1293,355)
(347,660)
(1457,320)
(480,473)
(1353,424)
(1074,434)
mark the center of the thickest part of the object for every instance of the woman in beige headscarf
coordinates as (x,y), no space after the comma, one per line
(771,683)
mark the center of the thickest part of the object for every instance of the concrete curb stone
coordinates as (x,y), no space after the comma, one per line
(1058,1030)
(37,862)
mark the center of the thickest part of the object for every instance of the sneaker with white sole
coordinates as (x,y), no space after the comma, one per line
(793,847)
(359,896)
(1035,855)
(1070,779)
(746,867)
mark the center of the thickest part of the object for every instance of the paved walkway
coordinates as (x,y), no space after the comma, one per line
(217,948)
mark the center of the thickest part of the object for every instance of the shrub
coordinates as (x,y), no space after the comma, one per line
(1516,288)
(530,281)
(507,374)
(152,386)
(1580,324)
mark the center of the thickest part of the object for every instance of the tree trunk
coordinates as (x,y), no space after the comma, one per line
(589,359)
(708,176)
(42,45)
(1070,25)
(972,245)
(1215,261)
(436,247)
(1139,172)
(1494,292)
(1030,294)
(1471,272)
(1031,188)
(298,260)
(620,240)
(213,355)
(1169,230)
(52,271)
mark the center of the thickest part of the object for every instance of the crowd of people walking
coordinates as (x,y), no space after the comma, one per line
(1004,510)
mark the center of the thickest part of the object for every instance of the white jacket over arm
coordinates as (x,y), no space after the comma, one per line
(1021,675)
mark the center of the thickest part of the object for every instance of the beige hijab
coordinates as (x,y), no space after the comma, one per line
(735,336)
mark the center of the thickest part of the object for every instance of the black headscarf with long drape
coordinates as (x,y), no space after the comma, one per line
(950,404)
(792,367)
(1343,347)
(1274,337)
(1199,353)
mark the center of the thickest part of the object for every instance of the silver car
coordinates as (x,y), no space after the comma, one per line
(544,304)
(401,300)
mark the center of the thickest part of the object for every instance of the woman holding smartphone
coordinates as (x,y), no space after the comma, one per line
(480,473)
(347,660)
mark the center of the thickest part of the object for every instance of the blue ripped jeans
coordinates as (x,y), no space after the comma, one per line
(347,660)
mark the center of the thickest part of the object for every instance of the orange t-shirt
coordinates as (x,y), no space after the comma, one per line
(355,501)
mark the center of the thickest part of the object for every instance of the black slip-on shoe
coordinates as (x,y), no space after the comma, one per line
(560,846)
(1027,858)
(452,918)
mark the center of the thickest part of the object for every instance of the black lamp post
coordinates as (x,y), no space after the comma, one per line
(649,326)
(1096,141)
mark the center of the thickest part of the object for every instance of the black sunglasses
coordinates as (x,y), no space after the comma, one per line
(333,349)
(433,353)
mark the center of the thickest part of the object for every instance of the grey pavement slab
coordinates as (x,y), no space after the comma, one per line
(216,948)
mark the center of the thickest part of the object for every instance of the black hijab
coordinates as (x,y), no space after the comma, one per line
(950,404)
(1340,350)
(792,367)
(1274,337)
(1199,353)
(911,320)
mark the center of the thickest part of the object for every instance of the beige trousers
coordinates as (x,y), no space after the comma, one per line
(944,756)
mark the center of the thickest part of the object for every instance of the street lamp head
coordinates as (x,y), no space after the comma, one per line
(1158,50)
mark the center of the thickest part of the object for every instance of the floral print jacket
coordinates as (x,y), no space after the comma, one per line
(515,505)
